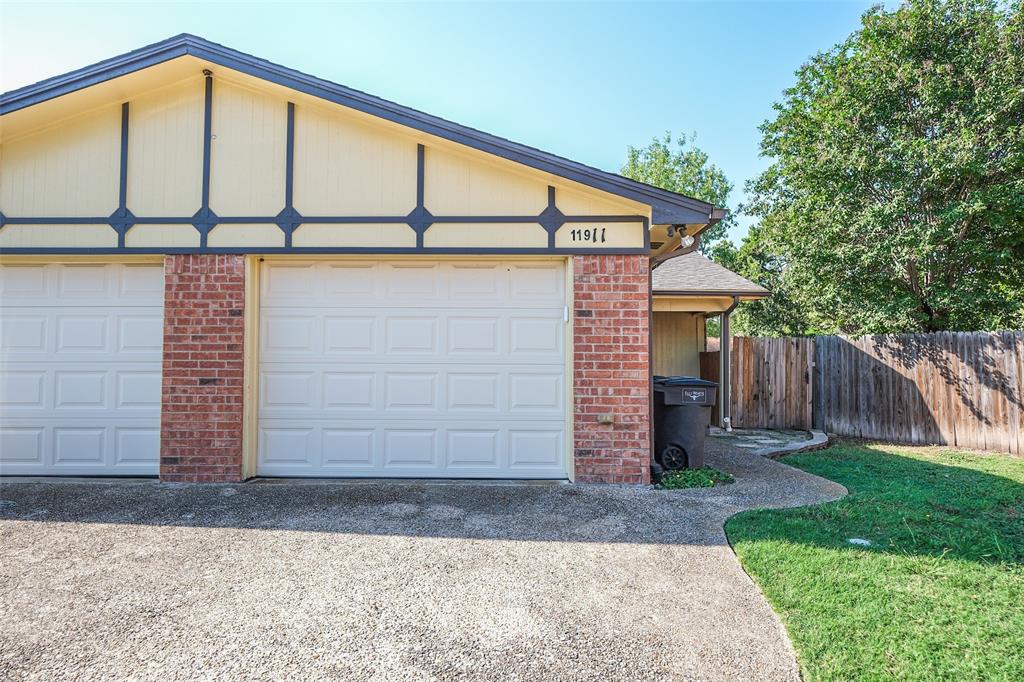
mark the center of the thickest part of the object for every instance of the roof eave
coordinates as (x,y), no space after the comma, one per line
(666,207)
(681,293)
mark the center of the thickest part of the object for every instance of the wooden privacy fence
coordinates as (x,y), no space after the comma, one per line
(954,388)
(771,382)
(960,388)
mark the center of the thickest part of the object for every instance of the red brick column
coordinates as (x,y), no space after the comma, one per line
(612,368)
(201,413)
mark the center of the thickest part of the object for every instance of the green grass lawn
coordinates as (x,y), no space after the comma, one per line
(939,594)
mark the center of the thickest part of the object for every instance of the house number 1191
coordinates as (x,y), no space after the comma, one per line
(593,235)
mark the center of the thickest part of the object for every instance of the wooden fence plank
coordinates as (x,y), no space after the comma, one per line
(958,388)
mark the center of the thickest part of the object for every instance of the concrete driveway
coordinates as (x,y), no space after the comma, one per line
(389,580)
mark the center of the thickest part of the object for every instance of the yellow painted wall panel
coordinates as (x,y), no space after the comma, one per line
(600,235)
(461,185)
(347,168)
(572,201)
(677,343)
(368,235)
(247,156)
(710,304)
(240,234)
(69,169)
(162,236)
(54,236)
(165,151)
(486,235)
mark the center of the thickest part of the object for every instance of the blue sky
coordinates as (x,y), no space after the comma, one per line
(583,80)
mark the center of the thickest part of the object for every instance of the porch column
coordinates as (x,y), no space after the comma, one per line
(725,371)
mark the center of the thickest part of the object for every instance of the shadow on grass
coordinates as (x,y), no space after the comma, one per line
(952,504)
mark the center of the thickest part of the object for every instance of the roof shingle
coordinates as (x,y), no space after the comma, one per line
(693,273)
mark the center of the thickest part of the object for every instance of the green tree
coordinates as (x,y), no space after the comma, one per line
(777,315)
(682,167)
(895,201)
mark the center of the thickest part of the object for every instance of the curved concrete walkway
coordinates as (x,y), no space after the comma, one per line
(390,580)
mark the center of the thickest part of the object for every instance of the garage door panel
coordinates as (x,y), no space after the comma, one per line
(410,448)
(21,445)
(542,282)
(368,284)
(473,448)
(414,335)
(22,334)
(138,390)
(353,390)
(412,281)
(349,333)
(79,390)
(67,334)
(411,392)
(80,369)
(474,392)
(411,335)
(22,389)
(349,448)
(531,448)
(140,334)
(413,369)
(136,446)
(413,448)
(76,285)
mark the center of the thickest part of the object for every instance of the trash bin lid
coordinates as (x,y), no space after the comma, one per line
(683,381)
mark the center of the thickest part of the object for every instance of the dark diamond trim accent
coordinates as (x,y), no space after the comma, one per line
(288,219)
(420,219)
(205,220)
(122,220)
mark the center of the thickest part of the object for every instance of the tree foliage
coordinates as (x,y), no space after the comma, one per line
(685,168)
(895,201)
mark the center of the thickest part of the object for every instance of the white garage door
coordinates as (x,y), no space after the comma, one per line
(80,357)
(413,369)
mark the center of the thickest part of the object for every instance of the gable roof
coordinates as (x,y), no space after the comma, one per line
(696,275)
(667,207)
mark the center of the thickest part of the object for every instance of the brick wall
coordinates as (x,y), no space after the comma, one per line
(201,421)
(612,368)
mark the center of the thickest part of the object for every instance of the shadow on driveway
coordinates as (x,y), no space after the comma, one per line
(397,580)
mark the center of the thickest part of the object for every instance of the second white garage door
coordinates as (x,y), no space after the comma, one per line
(80,353)
(413,369)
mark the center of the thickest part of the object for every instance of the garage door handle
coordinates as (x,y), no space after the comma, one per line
(565,313)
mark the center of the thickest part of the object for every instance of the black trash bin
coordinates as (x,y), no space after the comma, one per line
(682,413)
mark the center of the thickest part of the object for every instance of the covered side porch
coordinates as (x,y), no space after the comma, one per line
(686,290)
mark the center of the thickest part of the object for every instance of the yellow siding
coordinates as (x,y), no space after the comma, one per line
(677,343)
(615,235)
(70,169)
(347,168)
(711,304)
(107,93)
(247,156)
(353,234)
(346,163)
(165,151)
(508,235)
(44,236)
(241,235)
(156,236)
(573,201)
(459,185)
(230,234)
